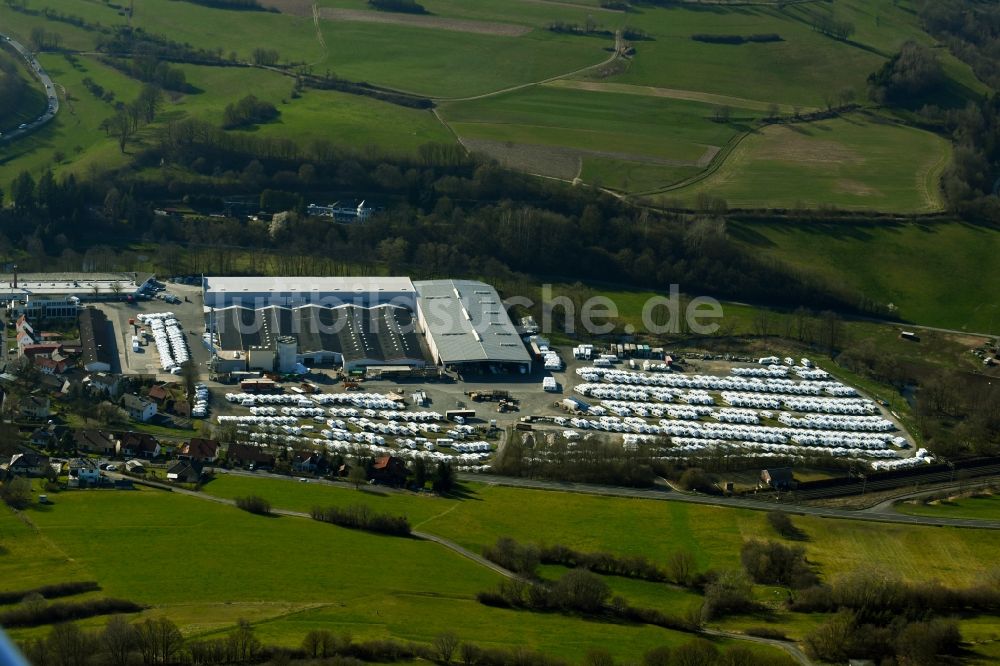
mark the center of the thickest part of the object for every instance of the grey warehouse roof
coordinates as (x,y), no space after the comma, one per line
(381,333)
(224,291)
(468,322)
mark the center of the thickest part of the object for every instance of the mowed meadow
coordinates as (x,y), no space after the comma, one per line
(206,565)
(550,103)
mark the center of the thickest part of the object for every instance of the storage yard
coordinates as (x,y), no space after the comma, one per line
(362,378)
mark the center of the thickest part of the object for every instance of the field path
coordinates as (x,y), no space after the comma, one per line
(319,31)
(615,54)
(424,21)
(668,93)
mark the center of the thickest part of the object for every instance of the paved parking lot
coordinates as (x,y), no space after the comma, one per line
(146,361)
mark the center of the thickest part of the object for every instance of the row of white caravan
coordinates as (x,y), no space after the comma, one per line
(738,432)
(201,395)
(169,340)
(788,361)
(837,422)
(688,446)
(596,374)
(846,405)
(921,457)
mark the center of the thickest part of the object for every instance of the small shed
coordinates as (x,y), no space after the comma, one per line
(779,478)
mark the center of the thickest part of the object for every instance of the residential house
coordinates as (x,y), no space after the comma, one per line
(244,455)
(46,436)
(39,350)
(389,470)
(29,464)
(137,445)
(105,384)
(779,478)
(199,450)
(184,471)
(135,467)
(95,441)
(52,365)
(30,407)
(83,473)
(138,408)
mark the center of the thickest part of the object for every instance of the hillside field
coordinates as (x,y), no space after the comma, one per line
(205,565)
(855,162)
(639,124)
(936,274)
(649,527)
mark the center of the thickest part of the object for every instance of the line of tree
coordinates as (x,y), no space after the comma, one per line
(736,39)
(126,41)
(151,69)
(54,591)
(404,6)
(131,117)
(239,5)
(833,27)
(34,611)
(589,27)
(248,111)
(362,517)
(578,592)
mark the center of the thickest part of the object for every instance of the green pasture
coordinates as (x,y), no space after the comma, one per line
(936,274)
(74,131)
(443,63)
(651,528)
(670,129)
(526,12)
(855,162)
(983,507)
(348,121)
(205,565)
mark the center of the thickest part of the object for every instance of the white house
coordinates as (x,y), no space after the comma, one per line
(83,472)
(139,408)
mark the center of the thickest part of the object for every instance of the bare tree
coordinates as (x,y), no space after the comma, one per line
(445,645)
(119,640)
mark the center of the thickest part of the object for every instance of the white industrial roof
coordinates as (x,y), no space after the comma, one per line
(66,284)
(468,322)
(338,285)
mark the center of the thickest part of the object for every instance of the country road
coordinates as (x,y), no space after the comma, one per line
(50,92)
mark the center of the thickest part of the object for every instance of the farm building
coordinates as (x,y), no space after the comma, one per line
(277,338)
(466,326)
(288,292)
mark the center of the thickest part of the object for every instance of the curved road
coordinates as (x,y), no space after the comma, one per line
(50,92)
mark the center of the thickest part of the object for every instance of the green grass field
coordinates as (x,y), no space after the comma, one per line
(648,527)
(983,507)
(617,135)
(935,274)
(856,162)
(206,565)
(74,132)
